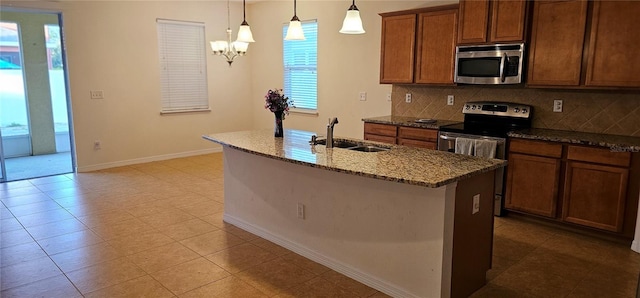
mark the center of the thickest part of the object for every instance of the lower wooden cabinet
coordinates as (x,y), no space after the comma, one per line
(418,137)
(532,184)
(384,133)
(401,135)
(587,186)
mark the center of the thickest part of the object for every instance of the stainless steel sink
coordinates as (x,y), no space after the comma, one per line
(368,149)
(353,145)
(340,143)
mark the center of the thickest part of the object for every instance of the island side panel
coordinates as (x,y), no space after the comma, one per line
(472,234)
(385,234)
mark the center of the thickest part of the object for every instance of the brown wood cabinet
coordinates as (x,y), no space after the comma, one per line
(533,177)
(483,21)
(418,137)
(435,57)
(557,39)
(385,133)
(397,50)
(615,38)
(575,48)
(418,46)
(587,186)
(595,188)
(401,135)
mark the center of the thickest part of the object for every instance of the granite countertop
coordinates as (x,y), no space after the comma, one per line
(408,121)
(614,142)
(409,165)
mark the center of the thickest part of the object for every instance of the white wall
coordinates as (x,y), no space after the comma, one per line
(347,64)
(112,46)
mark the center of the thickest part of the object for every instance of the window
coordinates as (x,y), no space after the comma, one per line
(183,69)
(300,67)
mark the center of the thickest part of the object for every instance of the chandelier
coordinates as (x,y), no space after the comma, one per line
(232,49)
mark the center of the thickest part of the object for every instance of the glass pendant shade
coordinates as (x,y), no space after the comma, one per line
(294,32)
(244,33)
(219,46)
(352,23)
(240,47)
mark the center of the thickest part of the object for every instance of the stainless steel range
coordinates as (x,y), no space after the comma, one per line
(484,133)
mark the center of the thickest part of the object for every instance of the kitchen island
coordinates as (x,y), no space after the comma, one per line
(401,221)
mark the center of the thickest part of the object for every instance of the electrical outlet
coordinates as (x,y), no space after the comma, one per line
(388,96)
(557,105)
(449,100)
(97,94)
(97,145)
(300,210)
(476,204)
(363,96)
(407,97)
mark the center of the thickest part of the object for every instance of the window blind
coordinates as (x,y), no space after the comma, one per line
(183,71)
(300,59)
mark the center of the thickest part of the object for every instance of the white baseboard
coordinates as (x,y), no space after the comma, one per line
(340,267)
(128,162)
(635,245)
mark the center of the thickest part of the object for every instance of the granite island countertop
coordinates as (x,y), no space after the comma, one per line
(408,121)
(614,142)
(402,164)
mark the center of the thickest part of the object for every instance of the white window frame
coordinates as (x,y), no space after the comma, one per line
(183,67)
(305,100)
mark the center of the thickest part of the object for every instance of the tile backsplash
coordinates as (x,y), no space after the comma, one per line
(598,111)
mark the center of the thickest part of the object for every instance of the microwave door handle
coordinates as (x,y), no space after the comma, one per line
(503,64)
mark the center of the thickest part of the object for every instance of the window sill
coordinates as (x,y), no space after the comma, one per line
(304,112)
(185,111)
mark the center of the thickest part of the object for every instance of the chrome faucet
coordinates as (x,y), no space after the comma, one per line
(332,122)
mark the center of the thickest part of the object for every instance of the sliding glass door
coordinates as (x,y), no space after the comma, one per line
(34,118)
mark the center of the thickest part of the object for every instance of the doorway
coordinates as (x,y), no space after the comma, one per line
(35,122)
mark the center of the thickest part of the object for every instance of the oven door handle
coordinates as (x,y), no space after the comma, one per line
(498,140)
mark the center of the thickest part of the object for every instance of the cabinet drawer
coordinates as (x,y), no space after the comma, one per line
(380,129)
(418,143)
(599,155)
(378,138)
(423,134)
(540,148)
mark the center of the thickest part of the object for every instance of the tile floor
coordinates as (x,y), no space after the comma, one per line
(156,230)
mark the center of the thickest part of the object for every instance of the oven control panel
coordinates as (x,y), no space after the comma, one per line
(497,108)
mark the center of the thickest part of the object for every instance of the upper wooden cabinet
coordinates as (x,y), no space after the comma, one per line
(435,59)
(557,39)
(418,46)
(484,21)
(613,44)
(562,34)
(397,50)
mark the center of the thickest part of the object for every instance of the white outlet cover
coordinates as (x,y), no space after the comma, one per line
(476,204)
(407,97)
(363,96)
(450,100)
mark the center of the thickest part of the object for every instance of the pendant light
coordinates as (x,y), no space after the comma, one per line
(294,32)
(352,23)
(244,33)
(226,48)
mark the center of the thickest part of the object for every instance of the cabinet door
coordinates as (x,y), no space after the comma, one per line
(418,143)
(507,20)
(595,195)
(379,138)
(532,184)
(474,17)
(613,45)
(557,40)
(398,48)
(436,47)
(381,129)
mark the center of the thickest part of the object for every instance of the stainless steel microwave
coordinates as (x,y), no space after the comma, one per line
(489,64)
